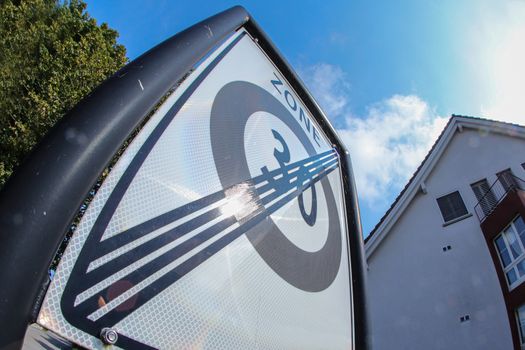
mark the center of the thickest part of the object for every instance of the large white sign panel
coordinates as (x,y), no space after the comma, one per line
(222,226)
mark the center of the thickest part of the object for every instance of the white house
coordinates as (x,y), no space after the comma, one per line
(446,263)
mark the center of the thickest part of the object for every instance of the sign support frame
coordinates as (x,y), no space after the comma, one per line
(37,207)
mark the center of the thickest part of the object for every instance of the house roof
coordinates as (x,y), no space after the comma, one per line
(455,123)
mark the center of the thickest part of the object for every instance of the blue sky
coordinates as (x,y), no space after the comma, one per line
(387,73)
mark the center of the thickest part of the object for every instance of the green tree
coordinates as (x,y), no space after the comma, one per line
(52,53)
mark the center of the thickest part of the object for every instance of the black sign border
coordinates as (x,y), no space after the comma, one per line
(41,200)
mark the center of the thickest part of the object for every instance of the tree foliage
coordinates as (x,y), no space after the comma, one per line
(52,53)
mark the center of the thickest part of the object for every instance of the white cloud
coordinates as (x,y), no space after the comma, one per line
(329,86)
(387,144)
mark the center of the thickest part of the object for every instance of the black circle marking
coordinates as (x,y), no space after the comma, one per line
(232,107)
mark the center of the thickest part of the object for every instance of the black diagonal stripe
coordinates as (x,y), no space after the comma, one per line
(146,294)
(136,253)
(90,304)
(121,239)
(287,186)
(162,220)
(159,262)
(316,160)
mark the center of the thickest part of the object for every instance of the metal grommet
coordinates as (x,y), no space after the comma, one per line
(108,336)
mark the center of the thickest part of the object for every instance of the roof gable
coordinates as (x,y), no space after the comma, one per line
(455,124)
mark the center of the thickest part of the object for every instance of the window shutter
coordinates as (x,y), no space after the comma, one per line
(451,206)
(484,195)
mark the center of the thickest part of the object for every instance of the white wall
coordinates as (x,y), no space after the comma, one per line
(417,292)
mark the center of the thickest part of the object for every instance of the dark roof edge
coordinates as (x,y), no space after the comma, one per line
(452,118)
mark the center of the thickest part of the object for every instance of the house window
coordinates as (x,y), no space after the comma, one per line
(520,314)
(452,206)
(507,180)
(510,245)
(485,196)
